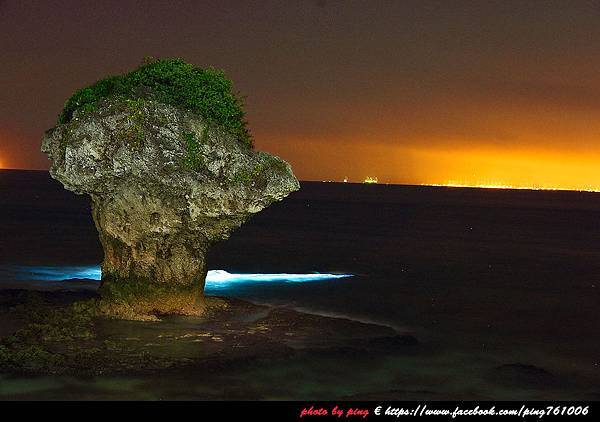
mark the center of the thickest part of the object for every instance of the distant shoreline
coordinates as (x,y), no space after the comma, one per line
(425,185)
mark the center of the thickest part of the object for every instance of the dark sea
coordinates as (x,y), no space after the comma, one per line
(500,287)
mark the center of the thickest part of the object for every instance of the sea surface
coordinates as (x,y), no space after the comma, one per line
(500,287)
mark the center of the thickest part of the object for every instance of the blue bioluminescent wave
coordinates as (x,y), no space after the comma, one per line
(35,273)
(220,279)
(215,279)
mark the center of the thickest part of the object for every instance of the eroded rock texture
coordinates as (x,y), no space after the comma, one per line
(164,185)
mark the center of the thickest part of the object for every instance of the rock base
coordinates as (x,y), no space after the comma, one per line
(143,301)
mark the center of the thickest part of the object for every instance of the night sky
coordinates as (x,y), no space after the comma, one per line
(460,92)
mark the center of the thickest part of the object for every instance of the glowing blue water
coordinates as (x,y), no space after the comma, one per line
(220,279)
(56,273)
(215,279)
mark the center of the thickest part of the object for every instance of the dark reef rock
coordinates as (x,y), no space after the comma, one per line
(58,332)
(397,342)
(165,183)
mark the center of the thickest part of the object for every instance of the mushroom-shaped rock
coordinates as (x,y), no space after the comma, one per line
(170,170)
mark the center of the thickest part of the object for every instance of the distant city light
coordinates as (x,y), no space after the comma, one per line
(496,185)
(371,180)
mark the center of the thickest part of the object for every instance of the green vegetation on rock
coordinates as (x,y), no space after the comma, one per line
(206,92)
(134,133)
(30,349)
(193,159)
(270,164)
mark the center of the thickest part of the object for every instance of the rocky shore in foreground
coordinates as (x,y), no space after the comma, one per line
(53,345)
(57,333)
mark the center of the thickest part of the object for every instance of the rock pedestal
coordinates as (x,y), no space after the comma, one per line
(164,184)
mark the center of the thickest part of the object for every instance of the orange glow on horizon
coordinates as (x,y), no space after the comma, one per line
(498,167)
(453,184)
(501,169)
(529,136)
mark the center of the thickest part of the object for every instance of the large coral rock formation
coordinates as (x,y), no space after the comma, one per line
(165,183)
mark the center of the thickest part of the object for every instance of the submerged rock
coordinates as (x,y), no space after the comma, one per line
(523,375)
(165,182)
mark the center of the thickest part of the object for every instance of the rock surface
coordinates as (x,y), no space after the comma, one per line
(165,184)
